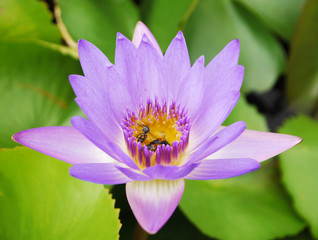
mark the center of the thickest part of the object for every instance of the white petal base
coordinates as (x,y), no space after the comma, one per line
(153,202)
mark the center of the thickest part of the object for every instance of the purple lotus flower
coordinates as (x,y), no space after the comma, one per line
(155,120)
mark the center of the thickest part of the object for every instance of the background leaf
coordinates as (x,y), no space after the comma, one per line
(215,23)
(40,200)
(99,21)
(35,88)
(302,74)
(279,16)
(299,169)
(27,19)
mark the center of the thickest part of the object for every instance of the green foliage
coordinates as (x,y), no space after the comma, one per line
(27,19)
(279,16)
(34,88)
(39,200)
(299,169)
(99,21)
(302,81)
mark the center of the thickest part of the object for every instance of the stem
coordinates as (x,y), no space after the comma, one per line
(139,233)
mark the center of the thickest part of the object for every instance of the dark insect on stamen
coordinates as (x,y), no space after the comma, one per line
(152,146)
(141,137)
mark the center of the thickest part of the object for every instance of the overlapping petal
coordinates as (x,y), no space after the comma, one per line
(140,31)
(223,168)
(101,173)
(148,79)
(176,63)
(64,143)
(93,61)
(91,132)
(218,104)
(190,94)
(218,141)
(153,202)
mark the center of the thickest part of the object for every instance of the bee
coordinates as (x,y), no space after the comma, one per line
(152,146)
(141,137)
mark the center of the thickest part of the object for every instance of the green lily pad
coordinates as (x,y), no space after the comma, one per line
(302,74)
(164,18)
(35,90)
(299,169)
(252,206)
(214,23)
(280,16)
(40,200)
(99,21)
(27,19)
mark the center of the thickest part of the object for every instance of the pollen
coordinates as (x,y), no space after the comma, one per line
(156,134)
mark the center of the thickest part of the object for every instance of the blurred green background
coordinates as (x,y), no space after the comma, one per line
(279,49)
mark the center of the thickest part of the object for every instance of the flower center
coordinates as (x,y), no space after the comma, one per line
(157,134)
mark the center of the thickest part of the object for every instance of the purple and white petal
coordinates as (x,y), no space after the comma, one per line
(139,32)
(101,173)
(94,63)
(64,143)
(153,202)
(257,145)
(176,63)
(223,168)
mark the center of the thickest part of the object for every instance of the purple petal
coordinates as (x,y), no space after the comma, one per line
(101,173)
(257,145)
(125,57)
(93,134)
(153,202)
(95,105)
(148,78)
(94,62)
(223,168)
(169,172)
(217,141)
(118,94)
(225,59)
(64,143)
(139,32)
(217,104)
(177,63)
(192,87)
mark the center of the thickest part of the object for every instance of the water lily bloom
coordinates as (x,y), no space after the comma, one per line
(154,120)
